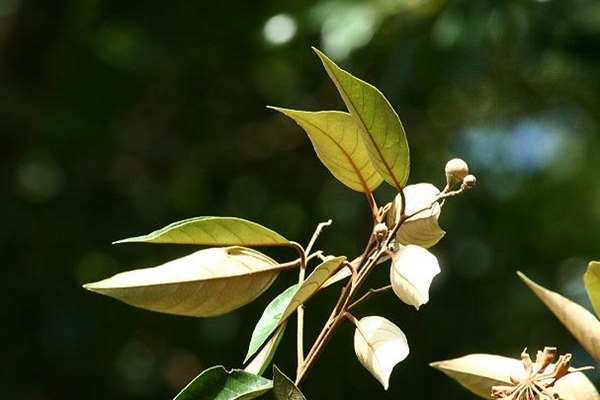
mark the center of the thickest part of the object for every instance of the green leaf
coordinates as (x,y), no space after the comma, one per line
(261,360)
(580,322)
(284,388)
(284,305)
(591,278)
(213,231)
(338,144)
(217,383)
(313,283)
(381,129)
(270,319)
(206,283)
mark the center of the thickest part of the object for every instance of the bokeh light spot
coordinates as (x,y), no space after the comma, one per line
(280,29)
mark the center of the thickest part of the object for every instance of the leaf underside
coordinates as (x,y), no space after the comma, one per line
(213,231)
(206,283)
(382,131)
(338,144)
(580,322)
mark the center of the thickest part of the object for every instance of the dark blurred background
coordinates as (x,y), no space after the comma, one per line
(119,117)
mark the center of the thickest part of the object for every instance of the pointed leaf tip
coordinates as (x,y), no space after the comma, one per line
(379,345)
(206,283)
(213,231)
(381,129)
(337,142)
(580,322)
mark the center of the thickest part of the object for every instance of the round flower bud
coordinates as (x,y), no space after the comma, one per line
(469,181)
(380,231)
(456,170)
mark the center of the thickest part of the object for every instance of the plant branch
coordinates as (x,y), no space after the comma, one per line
(370,293)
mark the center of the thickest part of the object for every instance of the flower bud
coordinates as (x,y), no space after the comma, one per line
(456,170)
(380,231)
(469,181)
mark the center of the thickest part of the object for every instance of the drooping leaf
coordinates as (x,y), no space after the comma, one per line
(338,144)
(213,231)
(261,360)
(284,388)
(480,372)
(270,319)
(382,131)
(216,383)
(591,278)
(422,228)
(580,322)
(412,270)
(206,283)
(284,305)
(379,346)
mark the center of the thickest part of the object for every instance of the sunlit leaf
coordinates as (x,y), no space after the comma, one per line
(580,322)
(284,305)
(213,231)
(338,144)
(270,319)
(206,283)
(379,346)
(217,383)
(261,360)
(591,279)
(412,270)
(480,372)
(422,228)
(284,388)
(381,129)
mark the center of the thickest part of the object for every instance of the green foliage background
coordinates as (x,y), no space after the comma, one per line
(117,118)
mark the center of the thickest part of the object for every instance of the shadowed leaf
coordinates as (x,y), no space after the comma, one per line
(284,388)
(284,305)
(591,278)
(580,322)
(382,131)
(337,142)
(216,383)
(206,283)
(379,346)
(261,360)
(269,320)
(213,231)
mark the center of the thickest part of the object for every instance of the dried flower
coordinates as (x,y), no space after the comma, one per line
(539,379)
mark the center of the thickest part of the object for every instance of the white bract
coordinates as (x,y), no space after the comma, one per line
(379,346)
(412,270)
(422,228)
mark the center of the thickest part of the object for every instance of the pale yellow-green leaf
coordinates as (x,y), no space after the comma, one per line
(580,322)
(337,142)
(382,131)
(480,372)
(313,283)
(213,231)
(206,283)
(412,270)
(379,345)
(591,279)
(422,227)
